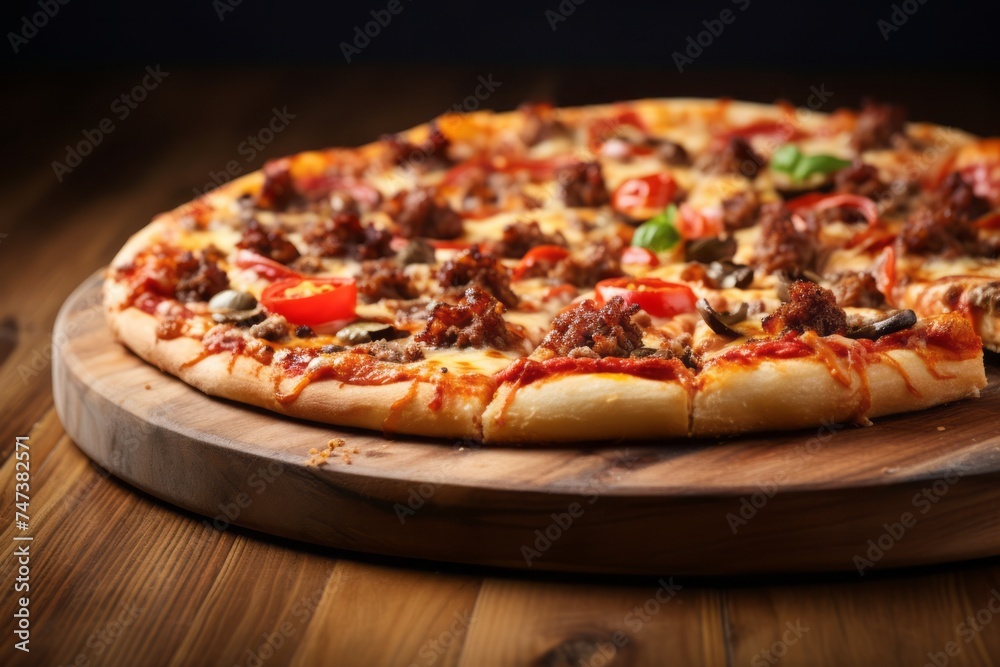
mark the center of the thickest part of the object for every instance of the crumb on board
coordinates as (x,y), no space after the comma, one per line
(940,428)
(148,386)
(318,457)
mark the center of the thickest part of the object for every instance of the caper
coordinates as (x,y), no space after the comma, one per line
(230,300)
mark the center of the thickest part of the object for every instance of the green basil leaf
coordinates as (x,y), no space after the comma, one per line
(659,233)
(818,164)
(789,159)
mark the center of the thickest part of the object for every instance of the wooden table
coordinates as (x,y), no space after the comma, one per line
(119,578)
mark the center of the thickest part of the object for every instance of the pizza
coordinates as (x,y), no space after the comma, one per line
(650,269)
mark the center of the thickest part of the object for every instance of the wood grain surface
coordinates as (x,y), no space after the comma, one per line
(120,578)
(801,501)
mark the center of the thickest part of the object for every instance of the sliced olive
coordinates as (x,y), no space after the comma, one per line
(726,275)
(366,332)
(229,299)
(903,319)
(710,250)
(720,322)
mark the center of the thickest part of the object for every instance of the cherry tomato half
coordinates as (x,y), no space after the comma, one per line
(657,297)
(636,255)
(819,202)
(312,301)
(645,194)
(549,254)
(695,224)
(885,272)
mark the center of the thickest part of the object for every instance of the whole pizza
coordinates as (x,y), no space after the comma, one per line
(646,269)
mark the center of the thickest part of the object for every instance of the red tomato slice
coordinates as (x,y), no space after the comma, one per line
(439,244)
(543,253)
(647,193)
(657,297)
(264,266)
(636,255)
(694,224)
(820,202)
(312,301)
(782,131)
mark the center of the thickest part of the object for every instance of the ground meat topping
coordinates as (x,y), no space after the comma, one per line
(199,277)
(278,190)
(859,179)
(781,246)
(856,289)
(588,330)
(274,328)
(520,237)
(669,152)
(418,213)
(431,154)
(737,157)
(598,261)
(384,279)
(809,308)
(582,184)
(740,210)
(472,267)
(343,234)
(476,321)
(269,242)
(945,225)
(392,352)
(877,124)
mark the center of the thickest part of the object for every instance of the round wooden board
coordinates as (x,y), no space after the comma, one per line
(914,489)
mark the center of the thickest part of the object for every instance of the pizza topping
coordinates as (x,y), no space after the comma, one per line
(431,154)
(781,245)
(598,261)
(657,297)
(809,308)
(278,190)
(236,307)
(268,242)
(985,296)
(476,321)
(312,301)
(417,251)
(708,250)
(877,125)
(740,210)
(394,352)
(790,160)
(903,319)
(472,267)
(659,233)
(366,332)
(384,279)
(857,289)
(721,323)
(418,213)
(343,234)
(274,328)
(582,184)
(945,225)
(638,196)
(727,275)
(669,152)
(540,124)
(539,261)
(588,330)
(520,237)
(736,157)
(199,277)
(859,179)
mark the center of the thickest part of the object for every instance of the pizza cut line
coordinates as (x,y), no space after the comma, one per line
(647,269)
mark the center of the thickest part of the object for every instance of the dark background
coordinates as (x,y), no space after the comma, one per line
(230,65)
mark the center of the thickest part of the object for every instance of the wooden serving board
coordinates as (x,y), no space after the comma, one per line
(914,489)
